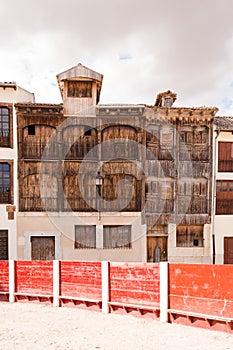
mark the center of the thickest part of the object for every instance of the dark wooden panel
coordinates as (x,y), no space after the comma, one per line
(157,249)
(3,245)
(225,156)
(43,248)
(228,250)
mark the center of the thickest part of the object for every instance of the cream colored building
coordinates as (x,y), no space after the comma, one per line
(10,93)
(223,191)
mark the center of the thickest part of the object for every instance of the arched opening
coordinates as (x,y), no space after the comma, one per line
(39,193)
(79,141)
(34,139)
(119,142)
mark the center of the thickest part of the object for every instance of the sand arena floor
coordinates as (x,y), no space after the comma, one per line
(38,326)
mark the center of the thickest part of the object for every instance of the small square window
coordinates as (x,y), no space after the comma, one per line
(31,130)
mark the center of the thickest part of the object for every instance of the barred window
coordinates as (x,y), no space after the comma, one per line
(117,237)
(85,237)
(3,245)
(189,236)
(79,89)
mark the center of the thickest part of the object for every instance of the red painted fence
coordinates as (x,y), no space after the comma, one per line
(34,277)
(134,283)
(80,279)
(4,280)
(206,289)
(200,295)
(203,293)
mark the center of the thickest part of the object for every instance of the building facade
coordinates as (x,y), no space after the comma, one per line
(223,191)
(113,182)
(10,93)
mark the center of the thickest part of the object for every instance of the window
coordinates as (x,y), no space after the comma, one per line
(3,245)
(4,127)
(189,236)
(225,156)
(85,237)
(222,186)
(31,130)
(117,237)
(79,89)
(5,177)
(224,197)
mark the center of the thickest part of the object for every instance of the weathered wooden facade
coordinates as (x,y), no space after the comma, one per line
(155,164)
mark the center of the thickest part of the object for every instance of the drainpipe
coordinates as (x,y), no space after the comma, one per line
(213,206)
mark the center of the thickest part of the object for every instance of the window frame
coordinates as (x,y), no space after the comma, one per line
(105,239)
(79,245)
(9,143)
(190,237)
(11,191)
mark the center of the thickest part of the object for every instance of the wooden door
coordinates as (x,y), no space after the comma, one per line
(156,248)
(228,250)
(43,248)
(3,245)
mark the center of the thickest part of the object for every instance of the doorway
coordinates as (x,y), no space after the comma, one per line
(156,248)
(42,248)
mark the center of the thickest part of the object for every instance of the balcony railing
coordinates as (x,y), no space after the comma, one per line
(35,150)
(80,150)
(119,150)
(37,204)
(192,205)
(158,205)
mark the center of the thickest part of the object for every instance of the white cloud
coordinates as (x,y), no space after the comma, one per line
(186,46)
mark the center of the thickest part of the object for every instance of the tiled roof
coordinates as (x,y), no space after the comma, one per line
(224,123)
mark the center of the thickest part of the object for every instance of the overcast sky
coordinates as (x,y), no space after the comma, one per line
(141,48)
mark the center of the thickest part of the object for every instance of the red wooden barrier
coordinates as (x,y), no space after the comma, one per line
(80,279)
(134,283)
(202,288)
(4,278)
(34,278)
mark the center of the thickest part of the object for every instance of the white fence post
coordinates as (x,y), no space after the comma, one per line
(11,281)
(56,282)
(105,286)
(163,292)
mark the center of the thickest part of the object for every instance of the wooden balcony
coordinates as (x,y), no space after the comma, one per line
(37,204)
(79,150)
(192,205)
(119,150)
(158,205)
(35,150)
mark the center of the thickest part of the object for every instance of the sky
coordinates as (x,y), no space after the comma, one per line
(141,48)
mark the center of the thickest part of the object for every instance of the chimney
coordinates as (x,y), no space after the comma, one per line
(165,99)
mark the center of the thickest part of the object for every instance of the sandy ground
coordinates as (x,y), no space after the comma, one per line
(38,326)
